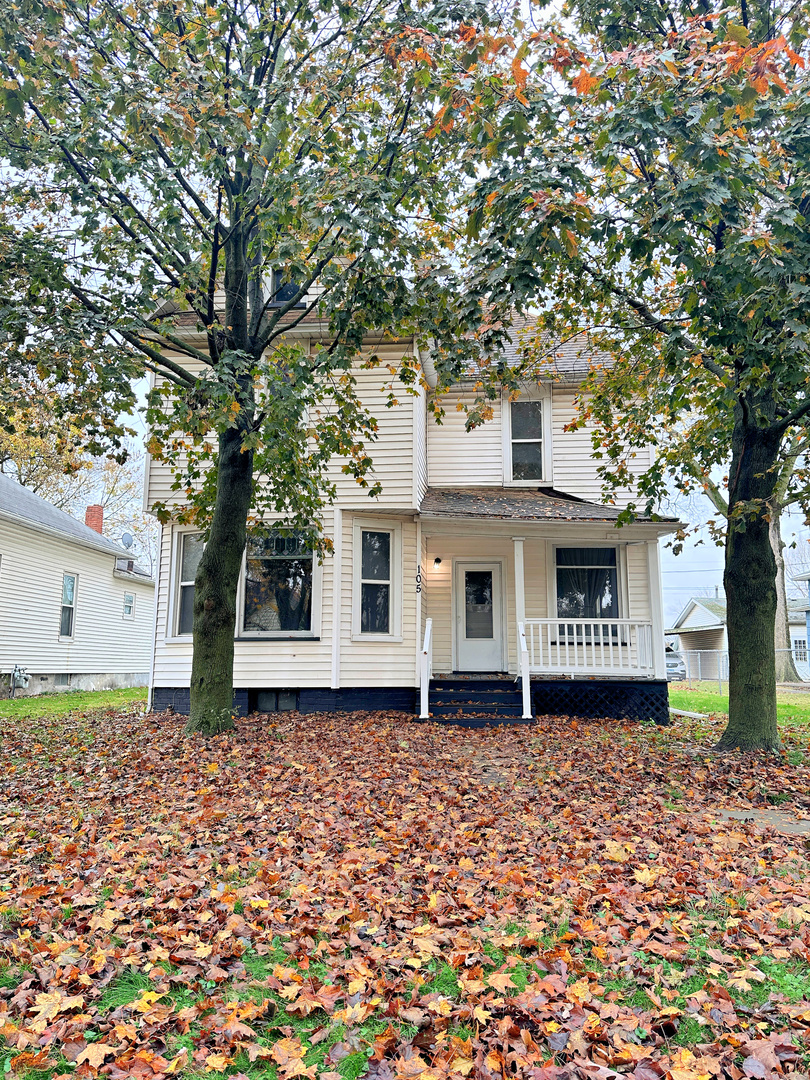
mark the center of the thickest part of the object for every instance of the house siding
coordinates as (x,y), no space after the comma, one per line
(32,565)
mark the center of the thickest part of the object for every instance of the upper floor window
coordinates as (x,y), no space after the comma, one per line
(191,549)
(278,585)
(587,583)
(129,605)
(526,448)
(283,290)
(68,616)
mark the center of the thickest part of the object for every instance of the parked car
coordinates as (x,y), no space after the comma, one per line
(676,666)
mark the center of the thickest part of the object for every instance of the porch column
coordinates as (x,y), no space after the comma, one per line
(520,585)
(656,610)
(337,579)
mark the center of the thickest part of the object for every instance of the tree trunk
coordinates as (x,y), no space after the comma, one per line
(750,583)
(215,590)
(785,667)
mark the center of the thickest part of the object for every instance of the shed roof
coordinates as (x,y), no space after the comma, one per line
(521,504)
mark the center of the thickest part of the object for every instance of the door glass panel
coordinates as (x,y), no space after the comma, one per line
(478,603)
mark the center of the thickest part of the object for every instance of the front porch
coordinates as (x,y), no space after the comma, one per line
(570,609)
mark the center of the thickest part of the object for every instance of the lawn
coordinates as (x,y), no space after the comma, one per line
(58,705)
(792,709)
(365,895)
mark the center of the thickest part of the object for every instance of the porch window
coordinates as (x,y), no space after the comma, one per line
(375,582)
(68,614)
(278,585)
(191,549)
(587,583)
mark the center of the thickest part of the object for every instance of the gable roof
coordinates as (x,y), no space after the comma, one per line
(523,504)
(715,608)
(19,504)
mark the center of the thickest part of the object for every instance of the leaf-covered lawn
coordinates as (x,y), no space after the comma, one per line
(336,896)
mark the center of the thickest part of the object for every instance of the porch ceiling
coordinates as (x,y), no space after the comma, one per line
(521,504)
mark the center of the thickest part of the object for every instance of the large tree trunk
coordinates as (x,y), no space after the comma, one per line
(750,583)
(215,590)
(785,667)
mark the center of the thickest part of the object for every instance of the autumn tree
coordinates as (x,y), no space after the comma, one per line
(652,187)
(248,165)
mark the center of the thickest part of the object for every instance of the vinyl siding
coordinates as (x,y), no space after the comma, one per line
(32,565)
(459,458)
(699,616)
(277,664)
(392,452)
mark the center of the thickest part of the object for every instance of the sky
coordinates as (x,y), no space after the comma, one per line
(698,569)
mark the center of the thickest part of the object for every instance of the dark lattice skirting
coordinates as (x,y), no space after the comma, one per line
(596,698)
(585,698)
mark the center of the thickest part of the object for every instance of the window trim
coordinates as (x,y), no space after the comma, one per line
(621,575)
(131,615)
(275,288)
(173,613)
(71,636)
(528,393)
(313,634)
(394,528)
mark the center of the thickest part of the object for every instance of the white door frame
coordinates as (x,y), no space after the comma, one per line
(458,602)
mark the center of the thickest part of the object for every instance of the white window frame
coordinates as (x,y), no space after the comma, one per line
(313,634)
(531,392)
(798,647)
(621,574)
(131,614)
(173,614)
(361,525)
(73,606)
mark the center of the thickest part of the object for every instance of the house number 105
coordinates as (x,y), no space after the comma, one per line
(419,581)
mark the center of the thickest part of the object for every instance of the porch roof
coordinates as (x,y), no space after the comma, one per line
(520,504)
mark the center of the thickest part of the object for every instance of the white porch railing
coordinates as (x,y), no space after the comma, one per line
(525,672)
(590,647)
(425,671)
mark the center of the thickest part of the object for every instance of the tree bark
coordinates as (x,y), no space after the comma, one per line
(215,589)
(750,584)
(785,667)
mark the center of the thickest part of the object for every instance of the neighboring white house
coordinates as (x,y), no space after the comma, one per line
(75,611)
(703,640)
(476,538)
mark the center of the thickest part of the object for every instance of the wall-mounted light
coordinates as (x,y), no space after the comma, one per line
(437,562)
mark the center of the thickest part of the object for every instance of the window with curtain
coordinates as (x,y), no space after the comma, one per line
(278,585)
(587,583)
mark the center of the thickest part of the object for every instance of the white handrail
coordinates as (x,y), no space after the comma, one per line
(425,671)
(525,676)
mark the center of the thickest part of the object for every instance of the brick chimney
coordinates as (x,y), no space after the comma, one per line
(94,518)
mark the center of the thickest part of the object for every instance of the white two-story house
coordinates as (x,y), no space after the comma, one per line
(486,578)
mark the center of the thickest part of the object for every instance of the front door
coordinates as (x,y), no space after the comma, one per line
(479,634)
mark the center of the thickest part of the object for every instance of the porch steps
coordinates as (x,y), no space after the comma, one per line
(477,702)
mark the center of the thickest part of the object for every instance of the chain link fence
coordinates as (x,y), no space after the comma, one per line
(711,665)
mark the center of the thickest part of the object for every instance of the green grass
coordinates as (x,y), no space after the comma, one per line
(28,708)
(792,709)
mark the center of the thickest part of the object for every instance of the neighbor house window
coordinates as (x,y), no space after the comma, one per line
(68,616)
(587,583)
(283,290)
(191,549)
(527,450)
(375,581)
(129,605)
(800,649)
(278,585)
